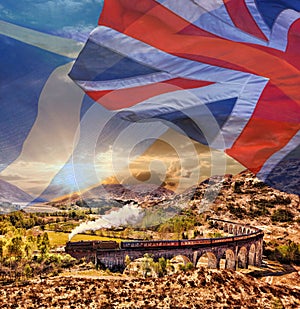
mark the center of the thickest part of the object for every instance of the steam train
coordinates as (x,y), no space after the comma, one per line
(154,244)
(91,245)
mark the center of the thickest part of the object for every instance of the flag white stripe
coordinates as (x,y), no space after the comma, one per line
(212,18)
(280,30)
(258,18)
(155,58)
(51,140)
(51,43)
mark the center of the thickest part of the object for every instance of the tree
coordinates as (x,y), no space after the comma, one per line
(127,260)
(147,265)
(162,269)
(289,253)
(43,244)
(27,271)
(14,247)
(28,248)
(81,203)
(2,245)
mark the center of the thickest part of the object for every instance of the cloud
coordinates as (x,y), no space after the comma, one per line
(71,19)
(13,177)
(110,180)
(144,177)
(187,174)
(174,170)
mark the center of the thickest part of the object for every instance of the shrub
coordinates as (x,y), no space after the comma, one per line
(186,267)
(237,211)
(282,215)
(27,271)
(289,253)
(215,235)
(67,261)
(127,260)
(189,266)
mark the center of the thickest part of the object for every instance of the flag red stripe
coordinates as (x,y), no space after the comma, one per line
(123,98)
(210,60)
(123,15)
(242,19)
(263,135)
(292,54)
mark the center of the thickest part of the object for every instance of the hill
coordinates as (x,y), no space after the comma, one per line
(200,288)
(116,194)
(240,198)
(13,194)
(128,192)
(12,197)
(246,199)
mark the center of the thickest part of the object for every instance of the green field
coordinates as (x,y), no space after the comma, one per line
(60,238)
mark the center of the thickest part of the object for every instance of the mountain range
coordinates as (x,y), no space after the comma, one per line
(12,194)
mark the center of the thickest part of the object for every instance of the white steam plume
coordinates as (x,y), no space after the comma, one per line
(128,215)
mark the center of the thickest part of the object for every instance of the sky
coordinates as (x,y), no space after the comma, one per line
(55,140)
(176,161)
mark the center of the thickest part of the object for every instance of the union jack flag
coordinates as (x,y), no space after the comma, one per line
(225,72)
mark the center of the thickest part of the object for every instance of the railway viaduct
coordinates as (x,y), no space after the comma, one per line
(241,249)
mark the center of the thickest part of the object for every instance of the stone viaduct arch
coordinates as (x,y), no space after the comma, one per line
(241,249)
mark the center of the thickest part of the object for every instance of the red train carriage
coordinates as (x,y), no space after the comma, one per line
(195,242)
(149,244)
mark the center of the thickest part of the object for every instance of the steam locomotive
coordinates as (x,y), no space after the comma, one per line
(91,245)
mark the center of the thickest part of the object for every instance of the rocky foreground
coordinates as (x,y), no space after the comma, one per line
(201,288)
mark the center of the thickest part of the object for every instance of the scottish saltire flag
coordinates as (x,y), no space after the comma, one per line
(40,107)
(49,128)
(226,73)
